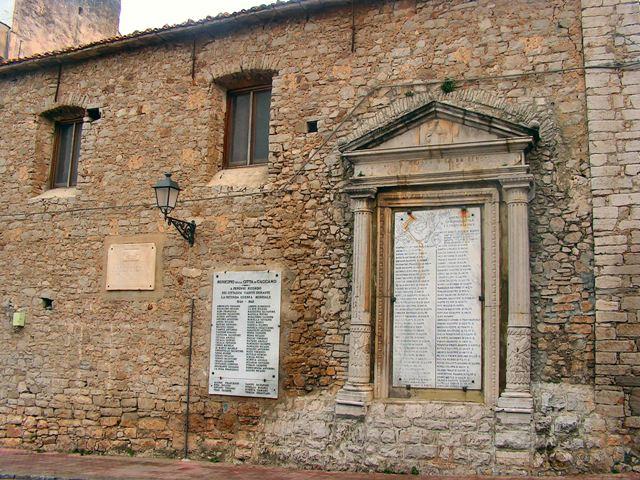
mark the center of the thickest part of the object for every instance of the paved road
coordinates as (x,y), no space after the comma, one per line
(23,465)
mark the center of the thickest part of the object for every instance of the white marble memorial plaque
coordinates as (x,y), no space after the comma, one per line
(245,334)
(437,312)
(131,266)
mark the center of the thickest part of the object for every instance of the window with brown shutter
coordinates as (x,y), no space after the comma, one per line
(247,133)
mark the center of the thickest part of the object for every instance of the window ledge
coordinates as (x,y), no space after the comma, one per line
(70,192)
(251,176)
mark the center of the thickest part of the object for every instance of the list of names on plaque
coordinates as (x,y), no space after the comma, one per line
(245,334)
(437,311)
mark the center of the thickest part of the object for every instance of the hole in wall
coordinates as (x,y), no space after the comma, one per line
(47,303)
(94,113)
(312,126)
(79,10)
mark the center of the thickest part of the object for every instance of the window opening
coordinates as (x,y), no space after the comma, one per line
(247,139)
(94,113)
(66,153)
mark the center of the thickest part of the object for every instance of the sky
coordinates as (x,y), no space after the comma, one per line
(6,11)
(143,14)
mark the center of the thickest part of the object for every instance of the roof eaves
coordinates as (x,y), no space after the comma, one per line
(168,32)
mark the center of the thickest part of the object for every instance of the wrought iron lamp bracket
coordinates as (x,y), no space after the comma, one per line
(186,229)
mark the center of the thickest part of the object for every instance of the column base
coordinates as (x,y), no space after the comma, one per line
(352,400)
(514,433)
(515,402)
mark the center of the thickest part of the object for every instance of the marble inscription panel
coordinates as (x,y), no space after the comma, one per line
(437,312)
(245,334)
(131,266)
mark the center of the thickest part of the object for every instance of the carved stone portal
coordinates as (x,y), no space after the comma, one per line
(440,149)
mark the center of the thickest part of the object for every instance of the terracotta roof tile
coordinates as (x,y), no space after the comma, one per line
(125,39)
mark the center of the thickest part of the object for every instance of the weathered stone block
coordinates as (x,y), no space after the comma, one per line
(152,424)
(616,345)
(630,358)
(634,401)
(632,422)
(610,397)
(513,440)
(566,423)
(518,459)
(608,281)
(421,452)
(628,380)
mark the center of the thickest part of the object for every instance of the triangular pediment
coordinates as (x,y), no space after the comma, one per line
(438,124)
(436,131)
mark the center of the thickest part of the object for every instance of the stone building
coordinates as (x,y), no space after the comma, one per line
(441,198)
(30,27)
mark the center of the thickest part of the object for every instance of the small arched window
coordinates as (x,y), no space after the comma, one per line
(64,171)
(68,122)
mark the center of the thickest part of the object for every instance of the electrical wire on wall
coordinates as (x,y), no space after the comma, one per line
(281,188)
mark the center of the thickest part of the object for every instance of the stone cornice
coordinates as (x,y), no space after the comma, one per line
(496,174)
(357,192)
(513,144)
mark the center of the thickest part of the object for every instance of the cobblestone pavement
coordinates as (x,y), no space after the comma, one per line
(24,465)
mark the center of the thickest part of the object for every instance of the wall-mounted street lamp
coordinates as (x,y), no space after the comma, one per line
(166,197)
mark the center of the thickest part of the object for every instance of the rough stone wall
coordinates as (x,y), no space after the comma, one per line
(612,35)
(101,373)
(438,437)
(570,434)
(430,436)
(4,41)
(46,25)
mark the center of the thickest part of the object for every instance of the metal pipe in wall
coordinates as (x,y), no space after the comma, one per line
(188,399)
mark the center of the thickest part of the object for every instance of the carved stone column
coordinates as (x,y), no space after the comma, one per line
(352,399)
(514,411)
(517,394)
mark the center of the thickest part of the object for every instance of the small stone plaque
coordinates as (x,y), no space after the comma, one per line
(131,266)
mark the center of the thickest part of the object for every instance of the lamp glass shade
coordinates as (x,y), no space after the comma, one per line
(166,194)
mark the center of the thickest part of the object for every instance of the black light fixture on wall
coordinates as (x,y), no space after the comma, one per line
(167,192)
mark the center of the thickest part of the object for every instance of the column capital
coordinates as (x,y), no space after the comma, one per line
(364,193)
(517,189)
(362,199)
